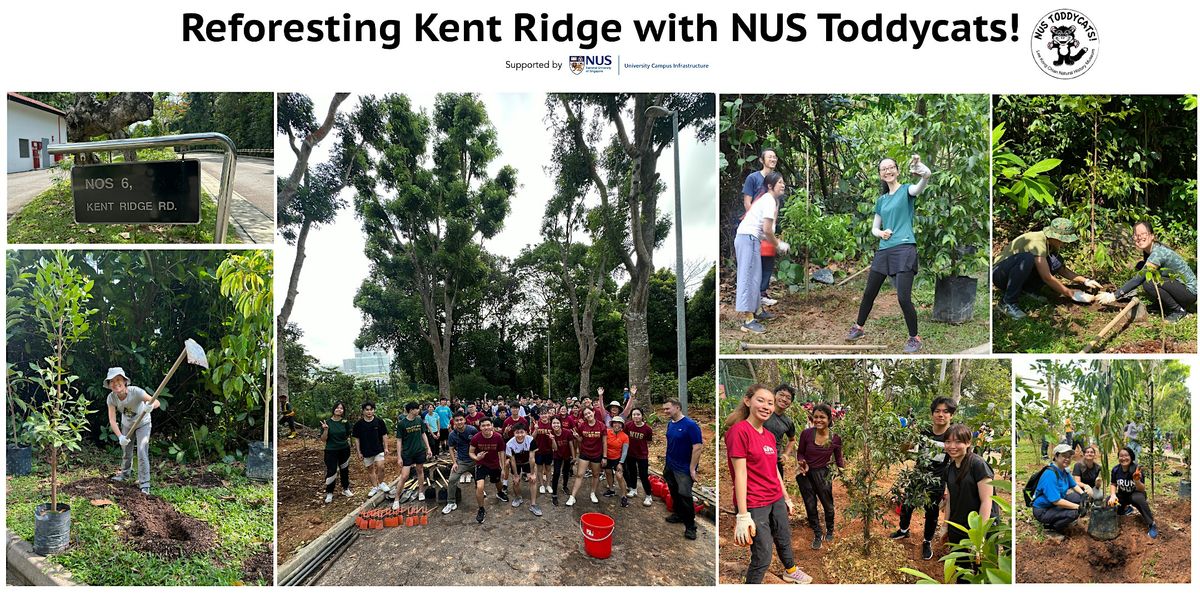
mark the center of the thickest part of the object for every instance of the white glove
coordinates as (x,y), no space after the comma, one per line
(124,441)
(743,530)
(1091,283)
(922,171)
(1083,297)
(1106,298)
(783,246)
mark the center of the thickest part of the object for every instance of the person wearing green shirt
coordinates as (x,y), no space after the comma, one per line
(1038,251)
(1177,292)
(897,254)
(412,449)
(335,432)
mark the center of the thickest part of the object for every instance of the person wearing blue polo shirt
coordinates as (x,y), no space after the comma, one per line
(684,442)
(1059,500)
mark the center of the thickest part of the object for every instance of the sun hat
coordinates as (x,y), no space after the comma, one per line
(113,372)
(1062,230)
(620,420)
(1063,449)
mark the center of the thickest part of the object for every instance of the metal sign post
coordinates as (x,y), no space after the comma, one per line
(159,194)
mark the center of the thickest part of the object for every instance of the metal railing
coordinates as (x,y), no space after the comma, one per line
(228,166)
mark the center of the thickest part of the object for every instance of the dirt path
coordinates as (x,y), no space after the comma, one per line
(154,526)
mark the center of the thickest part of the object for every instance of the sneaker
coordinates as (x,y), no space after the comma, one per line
(648,501)
(479,515)
(502,495)
(117,477)
(899,534)
(766,301)
(673,518)
(1011,311)
(146,491)
(595,500)
(374,490)
(383,487)
(624,501)
(1153,532)
(609,493)
(292,435)
(816,543)
(1127,512)
(912,345)
(796,576)
(535,509)
(396,504)
(763,315)
(328,497)
(554,499)
(517,501)
(421,497)
(451,507)
(927,550)
(690,533)
(632,494)
(829,536)
(348,493)
(570,500)
(753,327)
(1174,317)
(541,489)
(856,332)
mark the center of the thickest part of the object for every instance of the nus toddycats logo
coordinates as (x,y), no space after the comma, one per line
(1065,43)
(576,63)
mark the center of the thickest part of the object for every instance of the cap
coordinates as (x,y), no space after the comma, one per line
(1061,229)
(620,420)
(1063,449)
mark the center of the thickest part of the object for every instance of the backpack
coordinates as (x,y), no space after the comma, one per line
(1030,490)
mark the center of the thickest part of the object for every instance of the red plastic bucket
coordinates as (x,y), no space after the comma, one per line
(597,532)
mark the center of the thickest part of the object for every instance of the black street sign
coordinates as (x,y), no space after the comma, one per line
(163,192)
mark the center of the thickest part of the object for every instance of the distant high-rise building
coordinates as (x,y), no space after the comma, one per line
(372,364)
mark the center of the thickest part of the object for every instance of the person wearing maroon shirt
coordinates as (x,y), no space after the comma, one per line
(487,448)
(563,442)
(814,449)
(544,457)
(473,416)
(760,503)
(592,435)
(637,467)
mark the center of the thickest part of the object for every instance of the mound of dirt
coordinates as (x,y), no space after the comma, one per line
(260,566)
(154,526)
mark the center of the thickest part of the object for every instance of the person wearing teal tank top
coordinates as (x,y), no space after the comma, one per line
(897,254)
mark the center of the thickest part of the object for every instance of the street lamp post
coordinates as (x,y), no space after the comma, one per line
(680,307)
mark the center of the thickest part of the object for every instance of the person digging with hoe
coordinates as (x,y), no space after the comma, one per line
(135,406)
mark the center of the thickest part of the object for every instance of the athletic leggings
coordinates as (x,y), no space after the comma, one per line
(337,461)
(562,466)
(814,486)
(1138,500)
(904,283)
(638,469)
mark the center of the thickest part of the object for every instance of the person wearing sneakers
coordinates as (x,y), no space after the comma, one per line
(487,448)
(616,452)
(758,225)
(371,434)
(335,432)
(412,450)
(752,188)
(460,452)
(1128,489)
(818,445)
(591,434)
(563,442)
(543,458)
(1176,293)
(759,500)
(132,402)
(1059,500)
(933,463)
(289,415)
(519,452)
(685,441)
(637,465)
(897,255)
(1038,251)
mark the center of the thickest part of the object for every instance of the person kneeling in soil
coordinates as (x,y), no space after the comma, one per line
(759,498)
(1059,500)
(897,255)
(371,434)
(1128,490)
(941,410)
(460,451)
(336,435)
(1177,293)
(133,403)
(817,445)
(487,448)
(1087,470)
(412,450)
(1038,251)
(969,481)
(518,451)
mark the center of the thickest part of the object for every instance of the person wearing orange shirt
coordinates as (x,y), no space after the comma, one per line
(616,451)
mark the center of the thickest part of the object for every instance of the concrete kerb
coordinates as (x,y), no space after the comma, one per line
(33,568)
(249,224)
(307,553)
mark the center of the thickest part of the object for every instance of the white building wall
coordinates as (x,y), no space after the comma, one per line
(32,124)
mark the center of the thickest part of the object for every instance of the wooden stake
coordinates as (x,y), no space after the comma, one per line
(848,278)
(1111,324)
(816,347)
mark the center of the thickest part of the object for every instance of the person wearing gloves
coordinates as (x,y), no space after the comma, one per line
(756,226)
(1128,491)
(132,402)
(1059,500)
(897,255)
(1177,292)
(1038,251)
(759,500)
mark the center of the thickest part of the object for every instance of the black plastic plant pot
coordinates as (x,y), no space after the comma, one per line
(1103,524)
(259,463)
(1185,488)
(20,459)
(954,299)
(52,529)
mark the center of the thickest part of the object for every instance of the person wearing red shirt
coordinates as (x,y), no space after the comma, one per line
(759,499)
(591,434)
(544,457)
(487,448)
(563,443)
(616,452)
(637,465)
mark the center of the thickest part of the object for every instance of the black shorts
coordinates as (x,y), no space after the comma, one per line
(416,458)
(897,259)
(523,468)
(543,459)
(613,464)
(483,473)
(591,459)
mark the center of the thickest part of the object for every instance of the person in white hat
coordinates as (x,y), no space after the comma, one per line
(1059,500)
(132,402)
(616,446)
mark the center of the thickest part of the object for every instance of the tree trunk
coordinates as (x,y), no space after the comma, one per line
(867,459)
(960,372)
(289,302)
(636,332)
(53,478)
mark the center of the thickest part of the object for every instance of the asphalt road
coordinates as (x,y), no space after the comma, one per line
(23,187)
(254,180)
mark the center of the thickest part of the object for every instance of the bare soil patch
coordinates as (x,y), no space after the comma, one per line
(153,526)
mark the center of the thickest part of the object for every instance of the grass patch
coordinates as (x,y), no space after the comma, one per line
(241,513)
(1054,327)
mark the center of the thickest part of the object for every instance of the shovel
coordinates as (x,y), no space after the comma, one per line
(194,355)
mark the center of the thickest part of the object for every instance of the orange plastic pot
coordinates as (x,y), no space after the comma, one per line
(391,520)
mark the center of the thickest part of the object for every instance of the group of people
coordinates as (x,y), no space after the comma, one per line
(756,244)
(1064,495)
(1173,288)
(761,435)
(533,443)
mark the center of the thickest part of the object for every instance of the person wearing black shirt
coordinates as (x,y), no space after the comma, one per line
(1128,490)
(969,483)
(1087,470)
(781,425)
(942,409)
(371,434)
